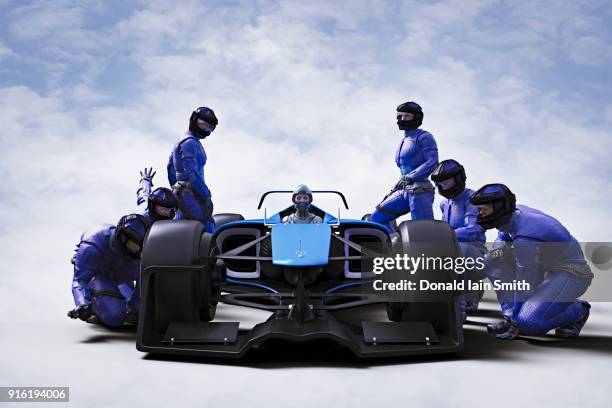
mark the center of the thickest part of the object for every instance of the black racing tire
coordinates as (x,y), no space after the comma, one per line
(368,217)
(430,238)
(225,218)
(176,294)
(210,285)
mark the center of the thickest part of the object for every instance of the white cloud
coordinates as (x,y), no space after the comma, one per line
(5,51)
(313,88)
(41,20)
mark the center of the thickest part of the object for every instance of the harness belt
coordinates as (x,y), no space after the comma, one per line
(414,187)
(420,187)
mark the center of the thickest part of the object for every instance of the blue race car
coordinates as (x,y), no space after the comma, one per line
(308,276)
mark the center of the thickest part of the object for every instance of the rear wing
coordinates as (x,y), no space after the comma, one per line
(263,197)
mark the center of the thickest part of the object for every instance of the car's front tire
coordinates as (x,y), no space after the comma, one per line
(182,288)
(428,238)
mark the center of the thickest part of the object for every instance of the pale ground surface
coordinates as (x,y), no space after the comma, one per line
(103,369)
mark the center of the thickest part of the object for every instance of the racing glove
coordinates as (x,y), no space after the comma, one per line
(501,254)
(511,334)
(403,182)
(83,312)
(506,329)
(147,175)
(146,184)
(500,326)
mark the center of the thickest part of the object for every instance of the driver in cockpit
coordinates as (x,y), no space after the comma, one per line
(302,198)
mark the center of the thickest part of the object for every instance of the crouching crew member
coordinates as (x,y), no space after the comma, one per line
(449,177)
(106,266)
(542,253)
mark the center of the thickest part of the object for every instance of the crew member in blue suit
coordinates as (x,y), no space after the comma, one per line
(449,177)
(544,254)
(416,157)
(106,265)
(161,202)
(186,170)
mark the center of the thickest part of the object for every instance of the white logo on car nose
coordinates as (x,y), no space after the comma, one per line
(299,252)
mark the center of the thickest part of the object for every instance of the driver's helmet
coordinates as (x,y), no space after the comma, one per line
(302,197)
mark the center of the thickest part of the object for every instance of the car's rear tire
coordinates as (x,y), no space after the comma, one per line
(368,217)
(225,218)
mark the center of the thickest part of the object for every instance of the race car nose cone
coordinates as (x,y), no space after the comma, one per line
(300,244)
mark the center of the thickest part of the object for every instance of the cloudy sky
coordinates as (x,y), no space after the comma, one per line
(93,91)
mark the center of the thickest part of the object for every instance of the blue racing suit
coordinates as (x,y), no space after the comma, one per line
(549,258)
(186,175)
(105,277)
(142,197)
(416,157)
(461,215)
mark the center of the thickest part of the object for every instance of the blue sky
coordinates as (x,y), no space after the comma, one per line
(92,91)
(47,45)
